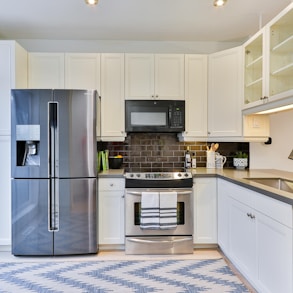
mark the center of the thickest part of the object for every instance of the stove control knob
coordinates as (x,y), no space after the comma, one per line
(179,174)
(138,175)
(131,175)
(186,174)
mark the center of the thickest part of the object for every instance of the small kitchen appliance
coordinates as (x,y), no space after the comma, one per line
(154,116)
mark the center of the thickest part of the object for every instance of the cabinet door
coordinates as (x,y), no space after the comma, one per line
(195,96)
(223,217)
(139,76)
(274,252)
(112,97)
(281,57)
(111,217)
(46,70)
(254,65)
(225,93)
(5,183)
(242,235)
(169,76)
(205,210)
(82,71)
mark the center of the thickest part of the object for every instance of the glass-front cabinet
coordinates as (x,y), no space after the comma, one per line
(268,58)
(254,65)
(281,55)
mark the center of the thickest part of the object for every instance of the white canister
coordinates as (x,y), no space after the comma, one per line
(211,157)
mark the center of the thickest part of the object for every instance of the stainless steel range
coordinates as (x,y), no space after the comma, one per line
(159,213)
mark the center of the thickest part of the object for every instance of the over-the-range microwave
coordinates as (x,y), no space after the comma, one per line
(154,116)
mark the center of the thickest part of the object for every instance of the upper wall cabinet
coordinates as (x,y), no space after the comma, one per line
(225,93)
(195,97)
(269,65)
(254,85)
(112,97)
(82,71)
(13,74)
(154,76)
(46,70)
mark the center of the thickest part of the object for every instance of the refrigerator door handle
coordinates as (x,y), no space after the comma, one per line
(53,139)
(53,205)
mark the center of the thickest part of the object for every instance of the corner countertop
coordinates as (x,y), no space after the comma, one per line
(239,177)
(234,176)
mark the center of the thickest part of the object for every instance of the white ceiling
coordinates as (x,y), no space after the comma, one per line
(135,20)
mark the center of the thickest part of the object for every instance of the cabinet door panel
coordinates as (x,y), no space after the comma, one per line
(274,255)
(112,97)
(46,70)
(169,76)
(225,93)
(139,76)
(82,71)
(242,238)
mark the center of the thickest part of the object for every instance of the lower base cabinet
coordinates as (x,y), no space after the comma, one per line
(205,210)
(257,237)
(111,211)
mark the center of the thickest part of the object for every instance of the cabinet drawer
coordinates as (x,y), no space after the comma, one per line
(111,184)
(273,208)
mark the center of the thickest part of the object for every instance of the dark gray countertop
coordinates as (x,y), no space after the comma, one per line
(238,177)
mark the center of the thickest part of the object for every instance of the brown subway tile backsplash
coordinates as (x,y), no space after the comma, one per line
(162,152)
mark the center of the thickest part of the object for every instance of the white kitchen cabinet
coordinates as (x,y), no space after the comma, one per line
(242,238)
(46,70)
(82,71)
(111,211)
(225,93)
(223,216)
(112,97)
(13,74)
(259,232)
(269,65)
(196,89)
(154,76)
(205,210)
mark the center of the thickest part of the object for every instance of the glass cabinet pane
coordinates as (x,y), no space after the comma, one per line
(253,70)
(281,55)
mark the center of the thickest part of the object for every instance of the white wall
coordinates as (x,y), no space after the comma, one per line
(275,156)
(99,46)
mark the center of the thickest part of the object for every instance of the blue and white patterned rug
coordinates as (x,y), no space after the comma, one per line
(120,276)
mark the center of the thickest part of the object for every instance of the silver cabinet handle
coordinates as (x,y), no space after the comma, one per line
(159,241)
(140,192)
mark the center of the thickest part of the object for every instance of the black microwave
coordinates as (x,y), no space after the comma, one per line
(154,116)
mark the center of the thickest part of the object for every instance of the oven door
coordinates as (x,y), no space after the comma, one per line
(184,214)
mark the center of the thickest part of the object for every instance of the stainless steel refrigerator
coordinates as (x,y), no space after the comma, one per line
(53,153)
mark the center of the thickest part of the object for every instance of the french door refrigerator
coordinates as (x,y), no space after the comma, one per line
(53,153)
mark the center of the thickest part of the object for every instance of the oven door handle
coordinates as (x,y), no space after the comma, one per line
(159,241)
(140,192)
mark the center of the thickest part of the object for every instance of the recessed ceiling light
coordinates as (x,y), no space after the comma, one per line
(219,3)
(91,2)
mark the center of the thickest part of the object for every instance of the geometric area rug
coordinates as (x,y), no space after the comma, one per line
(170,276)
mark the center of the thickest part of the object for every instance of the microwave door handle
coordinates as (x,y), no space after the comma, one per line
(170,117)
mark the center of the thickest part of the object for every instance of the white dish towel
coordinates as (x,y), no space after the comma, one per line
(168,210)
(150,211)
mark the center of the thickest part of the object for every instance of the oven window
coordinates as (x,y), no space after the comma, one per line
(180,213)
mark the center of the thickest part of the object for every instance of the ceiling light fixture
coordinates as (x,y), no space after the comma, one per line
(219,3)
(91,2)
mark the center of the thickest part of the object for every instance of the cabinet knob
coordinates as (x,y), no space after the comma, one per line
(111,184)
